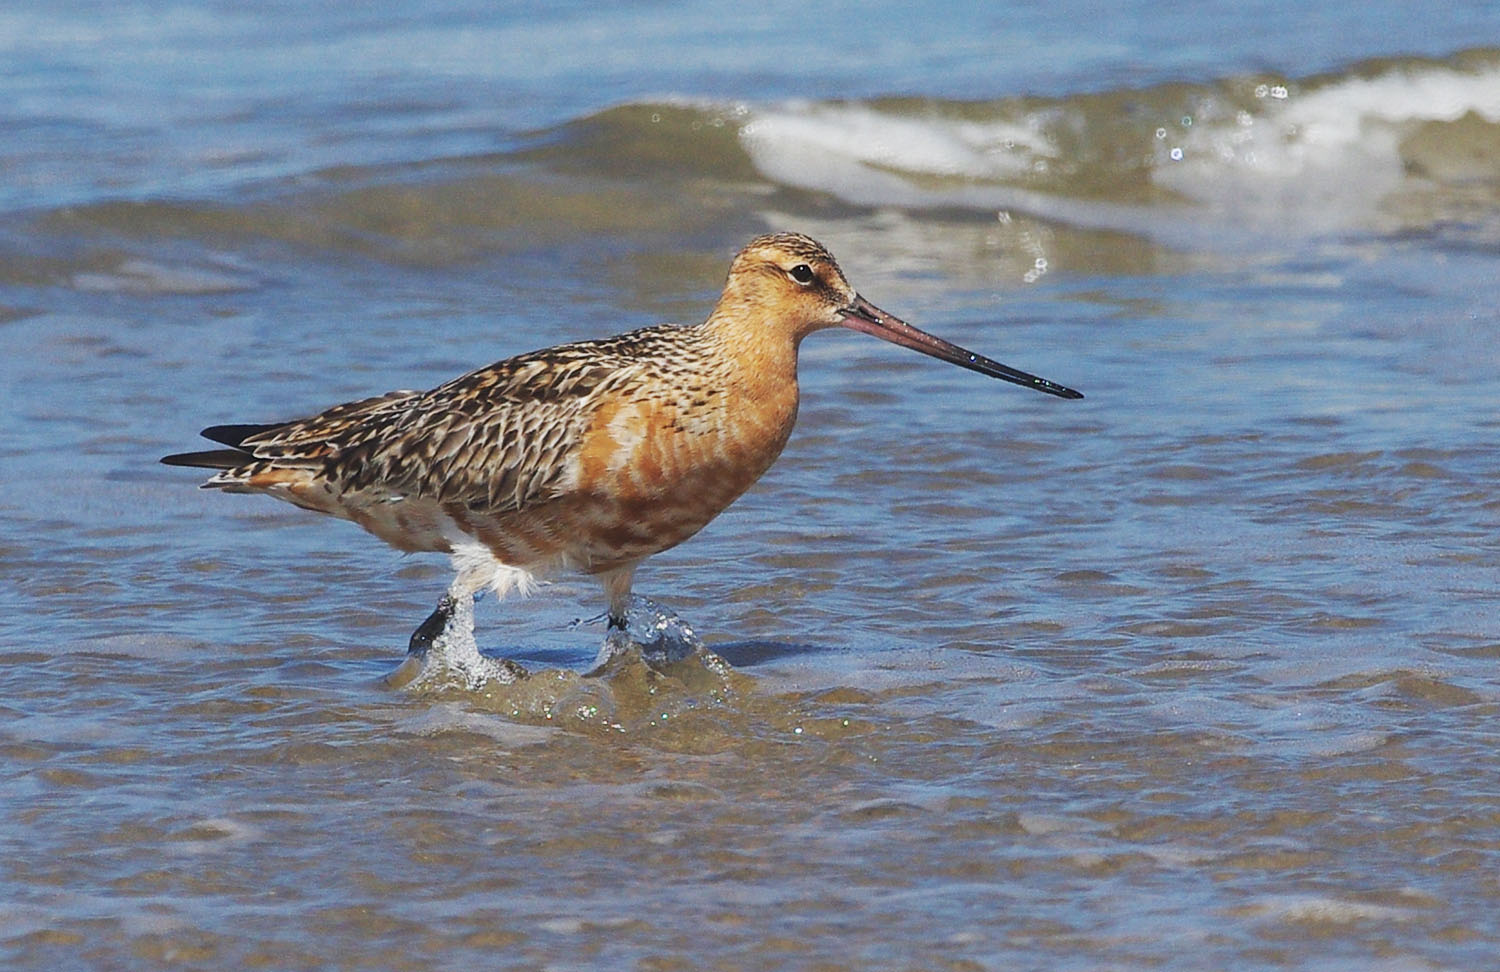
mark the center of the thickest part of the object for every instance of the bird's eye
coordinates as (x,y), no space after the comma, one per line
(802,273)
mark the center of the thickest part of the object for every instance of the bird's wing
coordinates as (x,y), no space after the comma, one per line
(497,439)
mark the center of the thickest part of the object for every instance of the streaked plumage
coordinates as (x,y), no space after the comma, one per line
(589,456)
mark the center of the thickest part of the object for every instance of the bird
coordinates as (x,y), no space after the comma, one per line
(585,457)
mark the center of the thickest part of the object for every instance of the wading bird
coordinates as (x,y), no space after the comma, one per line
(583,457)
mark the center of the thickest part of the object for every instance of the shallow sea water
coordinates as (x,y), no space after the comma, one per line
(1196,673)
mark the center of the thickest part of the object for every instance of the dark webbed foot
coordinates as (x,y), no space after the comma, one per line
(427,632)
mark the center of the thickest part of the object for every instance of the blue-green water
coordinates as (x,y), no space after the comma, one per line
(1196,673)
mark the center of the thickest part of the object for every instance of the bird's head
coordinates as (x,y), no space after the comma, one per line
(792,284)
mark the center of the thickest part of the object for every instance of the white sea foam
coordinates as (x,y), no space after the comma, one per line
(1263,156)
(149,278)
(876,157)
(1325,158)
(873,141)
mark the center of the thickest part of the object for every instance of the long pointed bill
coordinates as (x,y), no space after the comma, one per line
(865,316)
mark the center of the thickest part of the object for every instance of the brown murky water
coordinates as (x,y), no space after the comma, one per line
(1199,672)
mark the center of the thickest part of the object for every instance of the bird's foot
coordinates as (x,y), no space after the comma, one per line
(442,652)
(430,630)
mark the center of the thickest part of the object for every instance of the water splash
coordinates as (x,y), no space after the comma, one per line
(453,659)
(642,674)
(656,633)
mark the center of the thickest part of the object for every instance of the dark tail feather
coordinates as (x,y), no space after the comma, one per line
(233,435)
(212,459)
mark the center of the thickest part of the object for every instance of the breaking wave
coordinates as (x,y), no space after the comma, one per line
(1382,145)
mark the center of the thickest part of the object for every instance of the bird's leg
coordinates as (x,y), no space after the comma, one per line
(617,589)
(616,637)
(427,632)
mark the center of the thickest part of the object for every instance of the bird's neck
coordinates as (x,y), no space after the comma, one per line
(758,348)
(759,360)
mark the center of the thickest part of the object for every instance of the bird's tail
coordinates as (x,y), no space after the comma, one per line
(210,459)
(233,436)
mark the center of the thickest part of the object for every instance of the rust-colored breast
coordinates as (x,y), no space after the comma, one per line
(656,464)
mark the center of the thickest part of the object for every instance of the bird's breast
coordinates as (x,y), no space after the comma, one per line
(705,448)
